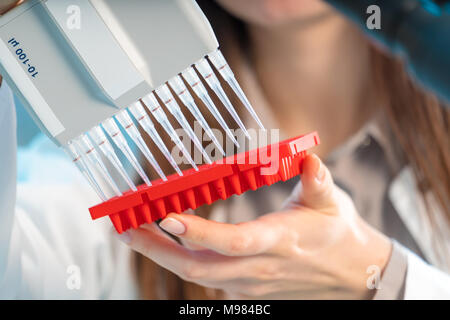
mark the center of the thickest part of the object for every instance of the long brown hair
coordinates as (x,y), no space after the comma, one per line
(416,118)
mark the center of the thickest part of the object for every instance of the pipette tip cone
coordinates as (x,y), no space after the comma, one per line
(222,96)
(162,147)
(241,95)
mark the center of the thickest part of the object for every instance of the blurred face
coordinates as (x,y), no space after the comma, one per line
(274,12)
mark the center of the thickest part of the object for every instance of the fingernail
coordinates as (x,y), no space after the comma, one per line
(321,173)
(172,225)
(125,237)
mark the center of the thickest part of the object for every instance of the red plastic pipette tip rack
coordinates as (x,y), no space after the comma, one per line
(222,179)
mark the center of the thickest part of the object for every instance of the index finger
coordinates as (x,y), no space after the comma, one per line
(249,238)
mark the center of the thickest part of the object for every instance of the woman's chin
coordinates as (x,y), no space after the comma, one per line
(274,12)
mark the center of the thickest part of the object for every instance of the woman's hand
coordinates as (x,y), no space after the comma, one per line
(316,247)
(6,5)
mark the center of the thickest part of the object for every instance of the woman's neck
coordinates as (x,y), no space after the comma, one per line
(316,76)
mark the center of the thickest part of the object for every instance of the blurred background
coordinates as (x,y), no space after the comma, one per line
(37,154)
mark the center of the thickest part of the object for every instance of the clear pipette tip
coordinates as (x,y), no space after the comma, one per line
(208,74)
(198,116)
(197,86)
(220,63)
(165,95)
(182,92)
(99,138)
(127,123)
(85,146)
(80,163)
(153,104)
(113,130)
(141,116)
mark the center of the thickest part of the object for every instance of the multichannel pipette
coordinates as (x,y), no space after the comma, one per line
(83,84)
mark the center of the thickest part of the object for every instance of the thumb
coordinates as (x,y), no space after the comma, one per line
(317,189)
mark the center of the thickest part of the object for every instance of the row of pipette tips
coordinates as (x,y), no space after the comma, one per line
(85,155)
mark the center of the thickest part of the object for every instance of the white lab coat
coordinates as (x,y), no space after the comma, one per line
(423,281)
(46,234)
(49,246)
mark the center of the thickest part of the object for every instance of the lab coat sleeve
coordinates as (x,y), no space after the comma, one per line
(424,281)
(392,282)
(408,277)
(49,246)
(9,258)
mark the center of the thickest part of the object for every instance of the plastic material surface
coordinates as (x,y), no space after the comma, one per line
(222,179)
